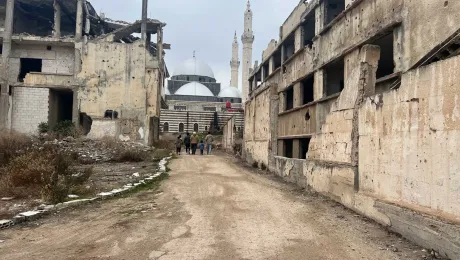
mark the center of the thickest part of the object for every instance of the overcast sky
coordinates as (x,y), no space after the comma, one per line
(206,26)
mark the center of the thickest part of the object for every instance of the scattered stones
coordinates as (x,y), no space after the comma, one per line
(136,174)
(72,196)
(7,199)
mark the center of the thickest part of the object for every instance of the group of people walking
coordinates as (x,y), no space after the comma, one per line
(192,143)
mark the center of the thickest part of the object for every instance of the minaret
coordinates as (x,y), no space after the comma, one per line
(248,39)
(235,63)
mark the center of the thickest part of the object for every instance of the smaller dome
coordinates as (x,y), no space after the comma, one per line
(230,92)
(194,89)
(167,91)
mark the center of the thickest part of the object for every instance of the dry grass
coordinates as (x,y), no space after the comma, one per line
(13,144)
(42,172)
(131,155)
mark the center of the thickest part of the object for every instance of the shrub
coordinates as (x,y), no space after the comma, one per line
(131,155)
(44,172)
(13,144)
(64,128)
(255,165)
(263,167)
(43,127)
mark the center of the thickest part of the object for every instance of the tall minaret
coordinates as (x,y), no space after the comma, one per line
(235,63)
(247,38)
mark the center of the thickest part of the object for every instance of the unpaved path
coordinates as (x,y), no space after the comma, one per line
(209,208)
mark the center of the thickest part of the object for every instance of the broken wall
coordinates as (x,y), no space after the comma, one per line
(115,78)
(257,137)
(409,141)
(55,59)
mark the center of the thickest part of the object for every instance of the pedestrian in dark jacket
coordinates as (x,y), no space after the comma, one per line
(187,143)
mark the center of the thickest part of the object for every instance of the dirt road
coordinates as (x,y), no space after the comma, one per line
(209,208)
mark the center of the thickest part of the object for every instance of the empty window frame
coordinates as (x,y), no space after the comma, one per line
(309,27)
(288,148)
(265,68)
(181,128)
(307,89)
(386,63)
(289,47)
(304,143)
(332,9)
(195,127)
(180,108)
(29,65)
(166,127)
(334,77)
(289,97)
(277,59)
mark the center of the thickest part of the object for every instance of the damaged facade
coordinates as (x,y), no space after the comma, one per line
(358,100)
(62,61)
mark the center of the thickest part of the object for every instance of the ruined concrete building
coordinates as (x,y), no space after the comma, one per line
(62,61)
(360,100)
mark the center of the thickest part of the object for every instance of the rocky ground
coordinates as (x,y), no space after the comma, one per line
(211,207)
(102,158)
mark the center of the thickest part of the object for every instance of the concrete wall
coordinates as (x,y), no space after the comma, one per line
(58,60)
(409,141)
(257,134)
(116,78)
(229,135)
(30,108)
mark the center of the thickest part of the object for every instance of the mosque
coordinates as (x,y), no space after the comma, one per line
(194,97)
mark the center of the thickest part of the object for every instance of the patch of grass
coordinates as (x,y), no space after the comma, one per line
(42,172)
(159,154)
(13,144)
(131,155)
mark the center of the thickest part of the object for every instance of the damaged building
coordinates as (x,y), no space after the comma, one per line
(62,61)
(359,100)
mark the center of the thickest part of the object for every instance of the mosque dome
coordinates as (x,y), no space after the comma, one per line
(194,66)
(194,89)
(230,92)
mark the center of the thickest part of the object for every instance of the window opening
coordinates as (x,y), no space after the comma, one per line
(29,65)
(307,88)
(289,98)
(334,77)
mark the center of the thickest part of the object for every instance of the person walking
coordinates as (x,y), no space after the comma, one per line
(201,147)
(209,140)
(187,143)
(194,142)
(178,145)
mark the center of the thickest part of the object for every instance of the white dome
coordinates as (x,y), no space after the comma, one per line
(230,92)
(167,91)
(194,89)
(194,66)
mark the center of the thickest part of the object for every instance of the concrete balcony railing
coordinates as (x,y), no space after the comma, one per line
(49,79)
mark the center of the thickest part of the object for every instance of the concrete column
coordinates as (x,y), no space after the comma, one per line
(271,65)
(5,106)
(370,56)
(79,21)
(57,19)
(320,17)
(299,39)
(282,106)
(160,44)
(298,95)
(263,73)
(144,20)
(318,91)
(296,149)
(283,54)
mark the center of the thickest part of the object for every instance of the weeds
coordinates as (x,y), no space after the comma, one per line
(44,172)
(13,144)
(131,155)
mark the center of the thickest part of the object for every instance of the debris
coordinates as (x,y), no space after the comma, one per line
(72,196)
(136,174)
(7,199)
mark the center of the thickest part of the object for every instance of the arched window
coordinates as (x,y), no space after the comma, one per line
(166,127)
(181,128)
(206,128)
(195,127)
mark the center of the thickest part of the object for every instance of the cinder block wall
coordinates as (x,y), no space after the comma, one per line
(30,108)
